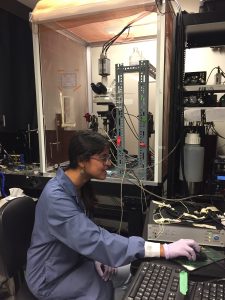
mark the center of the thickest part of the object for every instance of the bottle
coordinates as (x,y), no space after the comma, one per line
(135,57)
(193,161)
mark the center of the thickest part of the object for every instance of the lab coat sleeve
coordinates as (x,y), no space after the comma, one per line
(72,227)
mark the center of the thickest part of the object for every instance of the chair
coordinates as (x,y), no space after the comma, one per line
(16,225)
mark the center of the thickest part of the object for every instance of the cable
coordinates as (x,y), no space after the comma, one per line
(180,200)
(130,120)
(142,190)
(210,74)
(164,158)
(163,198)
(109,43)
(132,115)
(172,199)
(214,131)
(134,133)
(121,200)
(158,7)
(151,166)
(161,227)
(114,145)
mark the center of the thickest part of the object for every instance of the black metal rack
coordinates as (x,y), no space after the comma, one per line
(192,31)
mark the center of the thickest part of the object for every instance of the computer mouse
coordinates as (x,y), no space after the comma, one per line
(201,256)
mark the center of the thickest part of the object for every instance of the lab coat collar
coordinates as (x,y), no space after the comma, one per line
(66,183)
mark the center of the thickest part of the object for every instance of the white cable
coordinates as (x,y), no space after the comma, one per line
(121,200)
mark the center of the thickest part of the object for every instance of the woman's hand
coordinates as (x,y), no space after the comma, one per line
(182,247)
(104,271)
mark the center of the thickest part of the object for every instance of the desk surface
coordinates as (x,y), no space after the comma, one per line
(152,281)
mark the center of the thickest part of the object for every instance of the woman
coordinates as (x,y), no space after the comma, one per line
(70,257)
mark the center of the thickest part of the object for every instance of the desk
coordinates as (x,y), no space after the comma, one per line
(32,185)
(209,272)
(161,279)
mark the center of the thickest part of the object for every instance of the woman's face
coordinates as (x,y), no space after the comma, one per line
(97,165)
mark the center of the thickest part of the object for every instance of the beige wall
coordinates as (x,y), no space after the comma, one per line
(190,5)
(63,62)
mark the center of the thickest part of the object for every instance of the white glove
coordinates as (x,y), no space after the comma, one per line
(104,271)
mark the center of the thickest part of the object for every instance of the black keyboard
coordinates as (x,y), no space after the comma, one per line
(160,281)
(206,291)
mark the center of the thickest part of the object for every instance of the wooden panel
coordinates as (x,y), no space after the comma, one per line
(167,86)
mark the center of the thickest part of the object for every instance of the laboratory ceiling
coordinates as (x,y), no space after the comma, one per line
(100,20)
(189,6)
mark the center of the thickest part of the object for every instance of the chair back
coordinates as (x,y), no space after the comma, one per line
(16,225)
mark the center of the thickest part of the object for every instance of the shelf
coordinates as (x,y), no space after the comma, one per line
(193,114)
(219,88)
(204,29)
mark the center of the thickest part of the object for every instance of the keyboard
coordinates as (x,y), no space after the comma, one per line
(160,281)
(206,291)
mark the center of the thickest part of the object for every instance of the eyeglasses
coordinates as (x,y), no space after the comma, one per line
(103,158)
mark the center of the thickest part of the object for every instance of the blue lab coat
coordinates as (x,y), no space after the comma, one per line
(65,243)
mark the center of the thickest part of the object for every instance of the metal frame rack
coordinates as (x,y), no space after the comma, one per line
(144,69)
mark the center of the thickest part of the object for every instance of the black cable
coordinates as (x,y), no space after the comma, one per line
(132,115)
(214,131)
(151,150)
(159,10)
(108,43)
(130,120)
(134,134)
(210,74)
(116,37)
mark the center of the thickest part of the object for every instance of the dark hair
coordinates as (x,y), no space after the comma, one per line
(84,144)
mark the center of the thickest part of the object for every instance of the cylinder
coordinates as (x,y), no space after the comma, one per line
(193,159)
(103,66)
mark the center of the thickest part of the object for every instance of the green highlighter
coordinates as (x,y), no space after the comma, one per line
(183,282)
